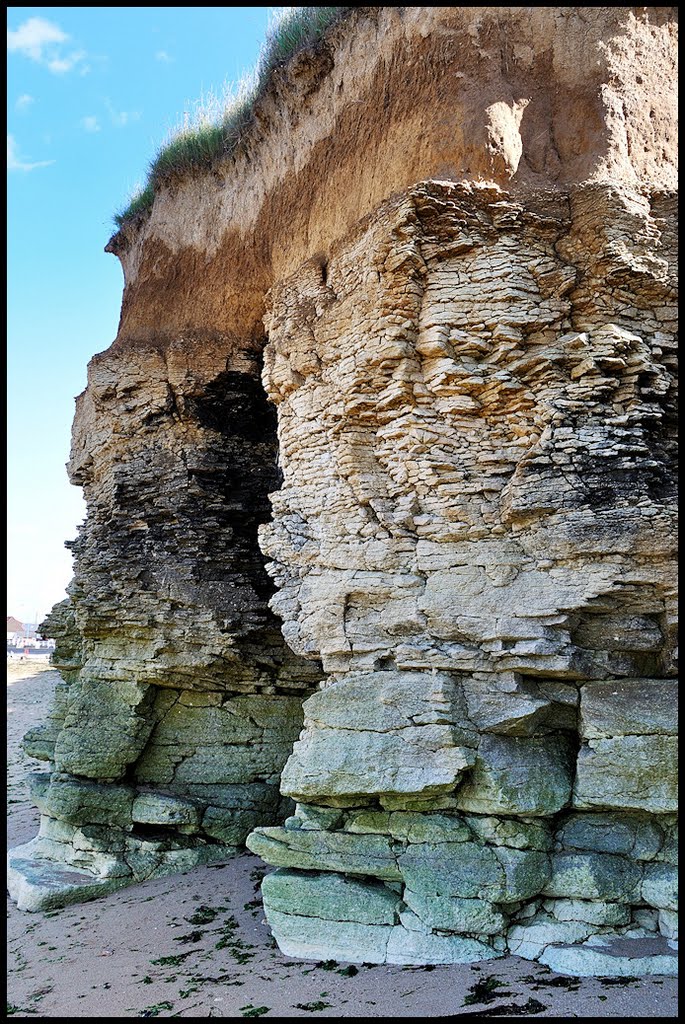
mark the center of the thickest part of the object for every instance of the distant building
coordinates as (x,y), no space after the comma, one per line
(23,634)
(15,631)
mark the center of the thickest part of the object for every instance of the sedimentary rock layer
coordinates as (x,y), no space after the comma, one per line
(414,348)
(475,532)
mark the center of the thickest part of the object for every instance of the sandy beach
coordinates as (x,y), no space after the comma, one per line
(196,945)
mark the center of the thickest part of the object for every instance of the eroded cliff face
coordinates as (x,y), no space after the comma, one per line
(181,700)
(475,532)
(389,428)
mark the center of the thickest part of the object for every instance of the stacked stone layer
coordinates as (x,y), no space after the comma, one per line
(447,249)
(180,702)
(475,533)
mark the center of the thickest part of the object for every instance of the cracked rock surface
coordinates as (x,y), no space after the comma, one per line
(474,533)
(378,574)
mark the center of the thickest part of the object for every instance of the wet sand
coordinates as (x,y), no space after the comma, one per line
(196,945)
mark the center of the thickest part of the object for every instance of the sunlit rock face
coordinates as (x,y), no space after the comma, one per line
(475,533)
(378,567)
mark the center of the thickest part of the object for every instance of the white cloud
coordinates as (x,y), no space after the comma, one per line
(24,102)
(58,65)
(41,41)
(121,117)
(15,162)
(91,124)
(163,56)
(33,36)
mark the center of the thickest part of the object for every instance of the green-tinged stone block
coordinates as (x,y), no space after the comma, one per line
(595,912)
(472,871)
(520,835)
(624,707)
(163,809)
(637,836)
(39,742)
(330,896)
(525,872)
(39,784)
(326,851)
(99,838)
(660,886)
(631,773)
(87,803)
(428,828)
(453,914)
(54,828)
(277,715)
(468,870)
(311,817)
(238,720)
(338,762)
(582,962)
(230,826)
(174,861)
(106,727)
(369,823)
(417,948)
(381,733)
(530,938)
(36,884)
(228,764)
(600,876)
(185,726)
(519,706)
(310,938)
(98,863)
(199,743)
(513,775)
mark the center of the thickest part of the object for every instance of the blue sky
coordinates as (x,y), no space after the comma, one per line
(92,94)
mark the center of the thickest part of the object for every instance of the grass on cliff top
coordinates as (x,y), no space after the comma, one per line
(219,124)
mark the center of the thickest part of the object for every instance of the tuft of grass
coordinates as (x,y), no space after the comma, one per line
(295,29)
(219,126)
(139,204)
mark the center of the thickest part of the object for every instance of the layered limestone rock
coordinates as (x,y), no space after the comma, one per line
(475,533)
(449,253)
(180,701)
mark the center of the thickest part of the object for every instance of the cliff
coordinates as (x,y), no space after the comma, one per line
(388,429)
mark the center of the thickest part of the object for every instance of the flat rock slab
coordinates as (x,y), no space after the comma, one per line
(36,883)
(622,958)
(45,884)
(310,938)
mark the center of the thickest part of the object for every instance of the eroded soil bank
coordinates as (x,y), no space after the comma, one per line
(203,950)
